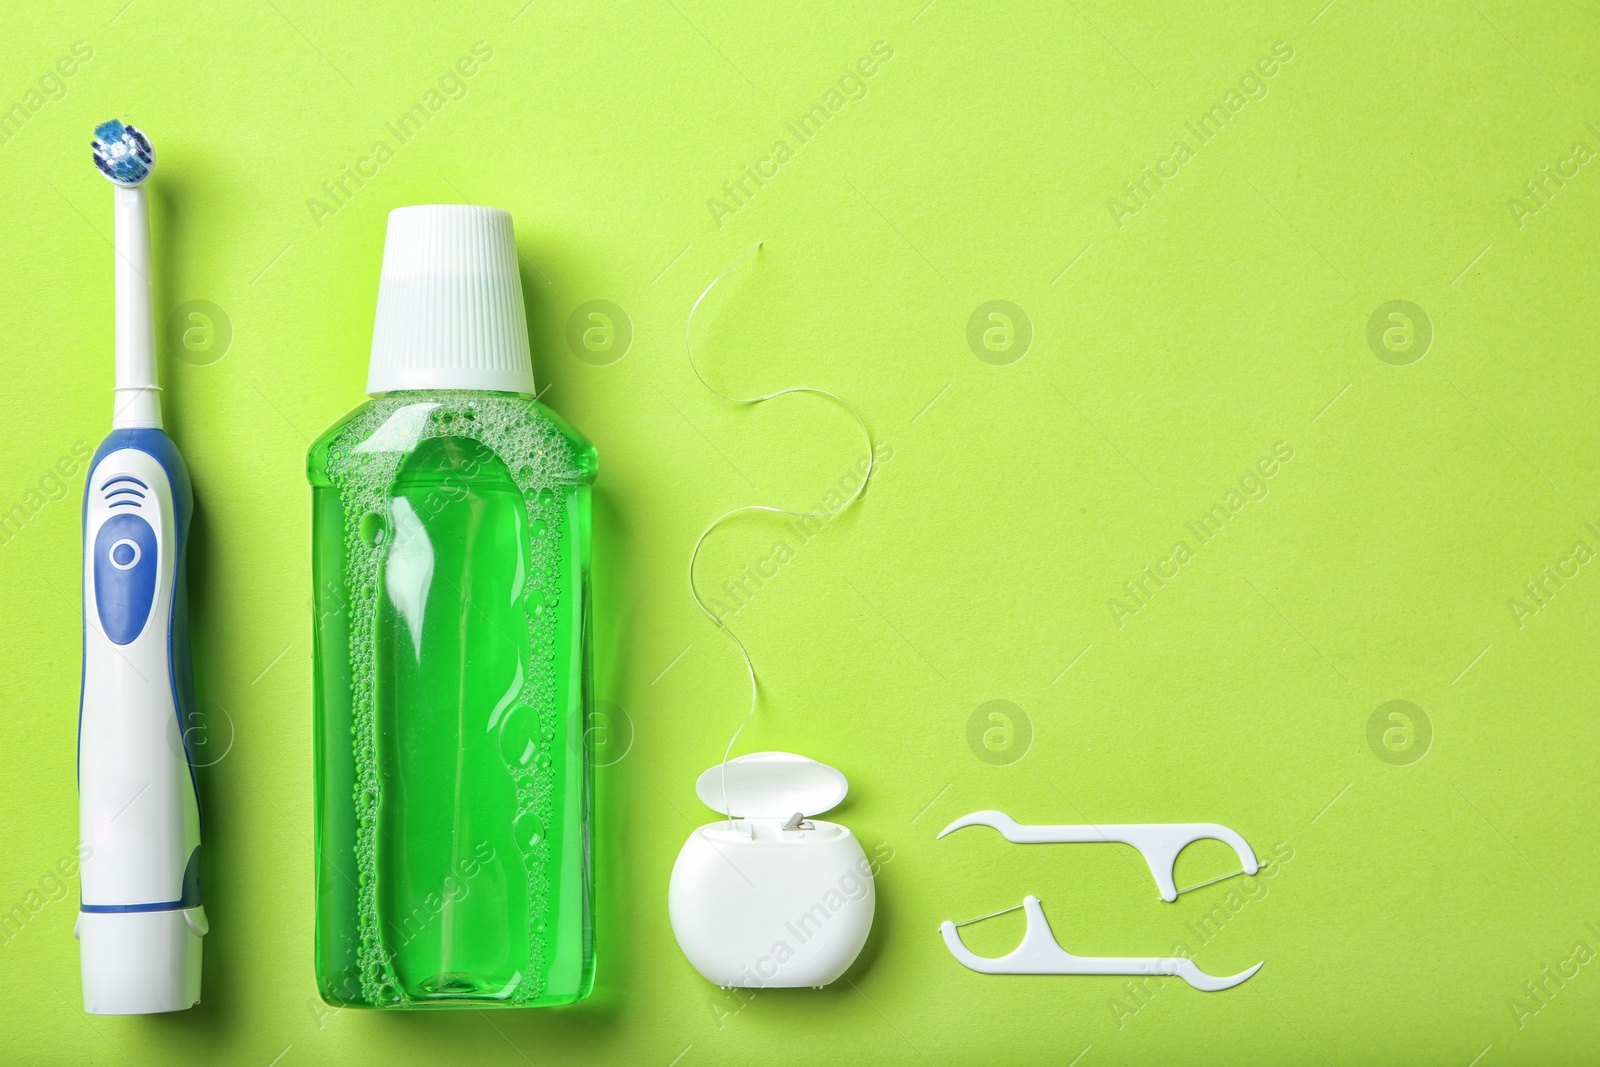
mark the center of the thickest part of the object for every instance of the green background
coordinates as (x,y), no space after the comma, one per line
(1171,349)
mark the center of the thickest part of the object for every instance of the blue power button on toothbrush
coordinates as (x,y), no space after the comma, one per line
(126,564)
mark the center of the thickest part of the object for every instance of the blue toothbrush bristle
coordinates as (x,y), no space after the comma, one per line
(122,153)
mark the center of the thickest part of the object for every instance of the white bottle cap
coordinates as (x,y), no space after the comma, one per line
(450,312)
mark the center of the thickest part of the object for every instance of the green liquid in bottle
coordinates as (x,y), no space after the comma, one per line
(451,534)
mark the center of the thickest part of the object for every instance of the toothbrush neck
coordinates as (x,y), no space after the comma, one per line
(138,393)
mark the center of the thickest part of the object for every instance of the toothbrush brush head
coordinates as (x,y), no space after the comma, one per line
(123,153)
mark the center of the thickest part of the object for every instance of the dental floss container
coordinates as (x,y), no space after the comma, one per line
(770,897)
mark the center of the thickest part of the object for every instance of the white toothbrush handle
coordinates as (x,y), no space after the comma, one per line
(141,920)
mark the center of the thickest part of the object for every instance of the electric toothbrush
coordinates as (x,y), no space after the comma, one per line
(140,921)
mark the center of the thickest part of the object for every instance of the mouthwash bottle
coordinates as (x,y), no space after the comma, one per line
(450,534)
